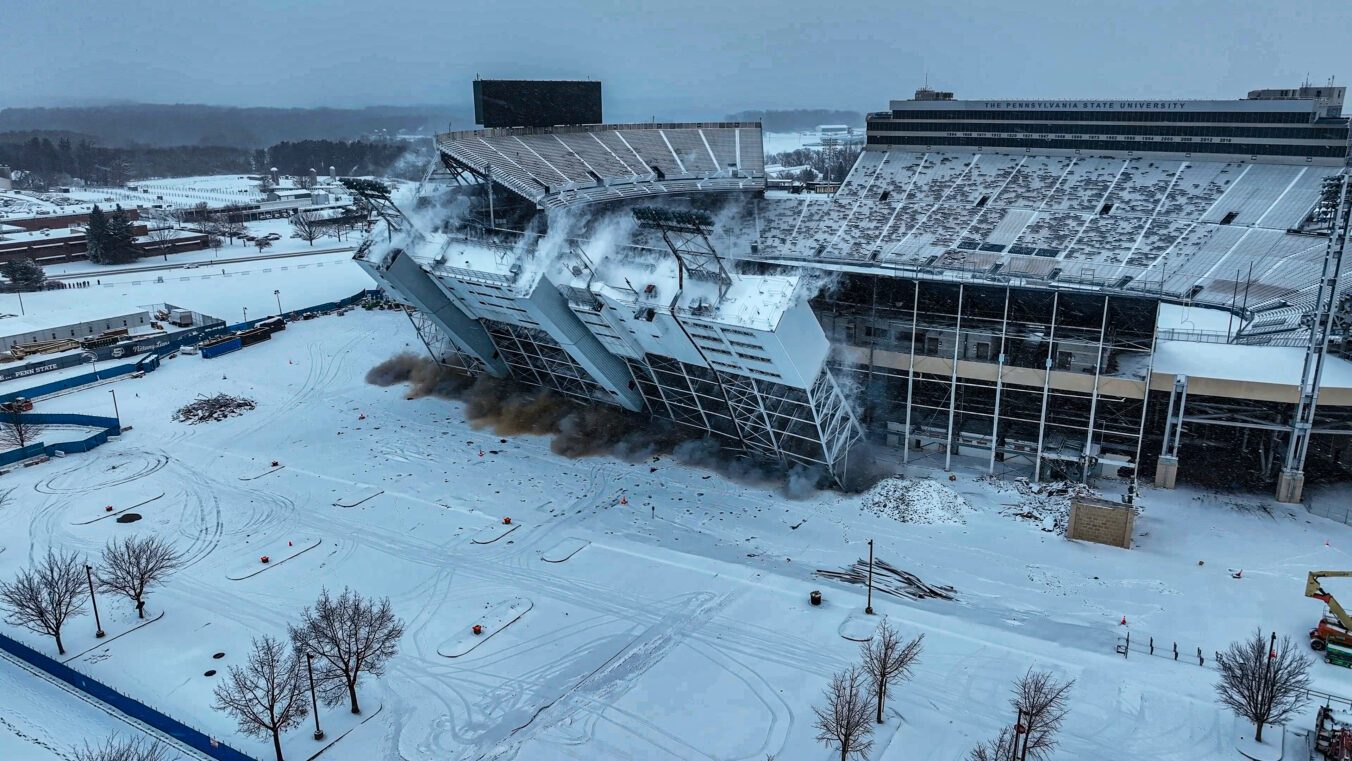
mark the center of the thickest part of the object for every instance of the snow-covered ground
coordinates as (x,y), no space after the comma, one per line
(666,609)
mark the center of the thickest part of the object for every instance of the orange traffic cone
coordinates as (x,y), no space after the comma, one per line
(1124,621)
(362,416)
(624,500)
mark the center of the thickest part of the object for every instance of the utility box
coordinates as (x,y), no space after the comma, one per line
(1101,521)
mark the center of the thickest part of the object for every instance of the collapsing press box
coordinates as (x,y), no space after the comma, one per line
(1102,521)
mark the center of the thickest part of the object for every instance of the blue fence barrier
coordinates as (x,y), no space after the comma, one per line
(116,700)
(106,426)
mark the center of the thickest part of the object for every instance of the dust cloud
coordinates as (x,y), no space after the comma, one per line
(508,408)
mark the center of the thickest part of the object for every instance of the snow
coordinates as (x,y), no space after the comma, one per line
(41,721)
(680,629)
(1256,364)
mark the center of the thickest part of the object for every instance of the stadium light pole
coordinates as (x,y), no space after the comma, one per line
(21,311)
(116,414)
(246,314)
(98,626)
(278,294)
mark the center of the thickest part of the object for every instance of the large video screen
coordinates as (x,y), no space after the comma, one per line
(535,103)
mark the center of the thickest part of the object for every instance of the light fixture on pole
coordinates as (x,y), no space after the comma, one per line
(116,414)
(98,626)
(278,294)
(868,608)
(246,314)
(314,703)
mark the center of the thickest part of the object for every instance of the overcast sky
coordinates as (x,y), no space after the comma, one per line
(670,59)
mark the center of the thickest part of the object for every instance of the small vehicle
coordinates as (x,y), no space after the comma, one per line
(18,404)
(272,236)
(191,266)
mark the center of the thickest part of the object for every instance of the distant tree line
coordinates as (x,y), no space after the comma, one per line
(828,164)
(164,125)
(48,162)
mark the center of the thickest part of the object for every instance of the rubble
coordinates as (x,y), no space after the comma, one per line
(213,408)
(915,500)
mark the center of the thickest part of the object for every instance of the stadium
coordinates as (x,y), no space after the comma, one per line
(1087,289)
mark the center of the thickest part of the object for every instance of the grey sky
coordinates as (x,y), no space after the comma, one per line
(671,59)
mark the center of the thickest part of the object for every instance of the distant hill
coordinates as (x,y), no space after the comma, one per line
(160,125)
(799,119)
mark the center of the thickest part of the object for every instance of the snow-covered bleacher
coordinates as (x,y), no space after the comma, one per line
(1182,228)
(569,165)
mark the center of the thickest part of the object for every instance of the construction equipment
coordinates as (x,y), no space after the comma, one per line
(1336,625)
(18,404)
(1333,736)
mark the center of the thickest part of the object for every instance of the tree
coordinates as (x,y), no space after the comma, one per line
(349,635)
(23,274)
(231,223)
(41,599)
(1263,680)
(214,242)
(1042,702)
(162,229)
(262,243)
(201,217)
(122,749)
(15,430)
(1001,748)
(845,721)
(266,696)
(96,235)
(119,242)
(132,565)
(888,659)
(307,227)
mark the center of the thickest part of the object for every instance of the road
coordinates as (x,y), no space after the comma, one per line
(202,264)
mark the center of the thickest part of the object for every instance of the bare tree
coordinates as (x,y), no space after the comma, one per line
(267,695)
(349,635)
(201,217)
(163,229)
(41,599)
(230,223)
(122,749)
(1000,748)
(15,430)
(132,565)
(846,722)
(262,243)
(1042,702)
(887,659)
(1263,679)
(307,227)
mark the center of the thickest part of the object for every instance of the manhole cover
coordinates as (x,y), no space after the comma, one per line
(209,672)
(218,656)
(128,517)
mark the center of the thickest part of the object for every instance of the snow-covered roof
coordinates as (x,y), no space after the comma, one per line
(47,319)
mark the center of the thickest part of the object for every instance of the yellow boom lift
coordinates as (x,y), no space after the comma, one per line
(1336,625)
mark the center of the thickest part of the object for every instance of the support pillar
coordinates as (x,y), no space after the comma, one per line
(1166,472)
(1290,485)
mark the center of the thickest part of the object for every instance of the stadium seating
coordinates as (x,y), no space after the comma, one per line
(1182,228)
(563,166)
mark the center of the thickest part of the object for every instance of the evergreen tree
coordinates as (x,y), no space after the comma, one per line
(23,274)
(96,236)
(121,244)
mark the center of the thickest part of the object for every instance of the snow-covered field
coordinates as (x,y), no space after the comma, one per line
(657,611)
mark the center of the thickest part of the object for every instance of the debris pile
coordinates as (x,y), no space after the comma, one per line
(915,500)
(208,409)
(891,580)
(1046,503)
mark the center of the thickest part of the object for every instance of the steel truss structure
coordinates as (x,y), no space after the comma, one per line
(814,427)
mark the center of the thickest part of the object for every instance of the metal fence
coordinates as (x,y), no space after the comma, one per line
(129,707)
